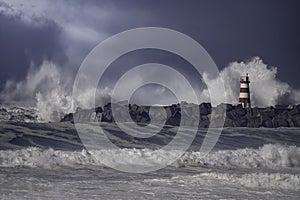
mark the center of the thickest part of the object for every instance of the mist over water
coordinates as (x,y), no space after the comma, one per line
(49,90)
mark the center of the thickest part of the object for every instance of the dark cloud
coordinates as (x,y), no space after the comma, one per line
(24,44)
(230,30)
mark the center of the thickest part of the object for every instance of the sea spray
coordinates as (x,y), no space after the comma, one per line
(265,88)
(49,90)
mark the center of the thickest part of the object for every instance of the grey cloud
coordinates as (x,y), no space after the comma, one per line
(229,30)
(24,44)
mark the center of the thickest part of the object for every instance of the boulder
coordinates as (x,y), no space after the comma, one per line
(98,110)
(143,117)
(240,110)
(290,123)
(296,120)
(253,122)
(204,122)
(294,112)
(190,114)
(205,108)
(268,123)
(67,118)
(98,117)
(107,116)
(93,116)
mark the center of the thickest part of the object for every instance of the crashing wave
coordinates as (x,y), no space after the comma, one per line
(54,99)
(260,180)
(268,156)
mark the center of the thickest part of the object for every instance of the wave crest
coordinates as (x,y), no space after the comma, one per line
(269,156)
(259,180)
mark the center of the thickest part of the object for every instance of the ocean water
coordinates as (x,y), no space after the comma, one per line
(48,161)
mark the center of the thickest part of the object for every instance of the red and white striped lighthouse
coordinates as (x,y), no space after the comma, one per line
(245,92)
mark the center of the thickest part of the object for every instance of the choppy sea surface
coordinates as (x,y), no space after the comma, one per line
(48,161)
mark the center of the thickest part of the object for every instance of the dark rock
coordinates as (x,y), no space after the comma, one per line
(192,114)
(253,122)
(232,115)
(143,117)
(290,122)
(294,112)
(98,110)
(133,115)
(134,107)
(98,117)
(93,116)
(240,110)
(205,108)
(107,107)
(229,123)
(296,120)
(268,124)
(107,116)
(68,118)
(268,114)
(281,122)
(255,112)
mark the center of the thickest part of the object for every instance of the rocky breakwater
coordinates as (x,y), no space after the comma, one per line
(18,114)
(201,115)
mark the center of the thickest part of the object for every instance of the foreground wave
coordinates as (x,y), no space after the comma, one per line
(271,156)
(251,180)
(41,160)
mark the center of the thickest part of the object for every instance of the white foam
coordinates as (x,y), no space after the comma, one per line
(273,91)
(53,94)
(35,157)
(269,156)
(49,88)
(258,180)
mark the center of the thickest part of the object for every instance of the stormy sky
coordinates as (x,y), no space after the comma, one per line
(64,32)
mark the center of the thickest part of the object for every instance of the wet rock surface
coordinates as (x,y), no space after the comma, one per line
(18,114)
(189,114)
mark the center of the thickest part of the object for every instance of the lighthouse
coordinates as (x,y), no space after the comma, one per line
(244,98)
